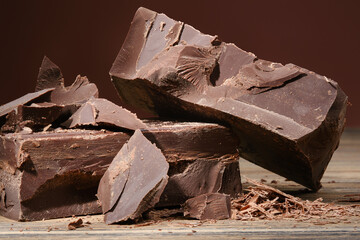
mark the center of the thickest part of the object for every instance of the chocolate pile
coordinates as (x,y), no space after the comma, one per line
(65,151)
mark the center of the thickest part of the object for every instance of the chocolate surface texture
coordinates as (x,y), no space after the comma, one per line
(287,119)
(208,206)
(134,181)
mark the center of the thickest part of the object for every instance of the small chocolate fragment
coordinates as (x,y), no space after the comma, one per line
(102,112)
(134,180)
(49,76)
(288,119)
(208,206)
(75,224)
(56,174)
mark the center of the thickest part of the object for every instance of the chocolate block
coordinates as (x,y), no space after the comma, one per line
(56,173)
(208,206)
(287,119)
(101,112)
(134,180)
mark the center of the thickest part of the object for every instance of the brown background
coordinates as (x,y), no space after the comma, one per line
(83,37)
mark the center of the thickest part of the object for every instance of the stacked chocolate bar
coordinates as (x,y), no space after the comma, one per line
(67,152)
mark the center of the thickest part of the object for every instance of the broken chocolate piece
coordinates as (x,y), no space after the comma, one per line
(134,180)
(75,224)
(49,76)
(36,116)
(288,119)
(102,112)
(200,177)
(56,174)
(55,103)
(208,206)
(79,92)
(36,97)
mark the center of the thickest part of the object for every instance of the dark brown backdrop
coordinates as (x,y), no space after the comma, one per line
(83,37)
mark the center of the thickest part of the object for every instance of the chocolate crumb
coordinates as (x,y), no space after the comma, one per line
(75,224)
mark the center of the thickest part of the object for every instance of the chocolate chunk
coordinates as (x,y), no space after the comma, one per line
(208,206)
(36,116)
(200,177)
(134,180)
(75,224)
(79,92)
(49,76)
(102,112)
(56,174)
(288,119)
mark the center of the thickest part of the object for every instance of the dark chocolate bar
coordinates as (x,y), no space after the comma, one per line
(134,181)
(287,119)
(56,173)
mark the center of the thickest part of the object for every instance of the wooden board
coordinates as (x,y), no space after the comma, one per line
(341,178)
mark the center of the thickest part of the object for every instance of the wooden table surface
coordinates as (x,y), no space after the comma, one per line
(341,178)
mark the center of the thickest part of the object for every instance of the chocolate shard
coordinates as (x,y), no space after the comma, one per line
(134,180)
(49,76)
(79,92)
(35,97)
(208,206)
(288,119)
(102,112)
(56,173)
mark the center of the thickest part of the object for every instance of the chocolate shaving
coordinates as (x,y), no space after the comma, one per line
(264,202)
